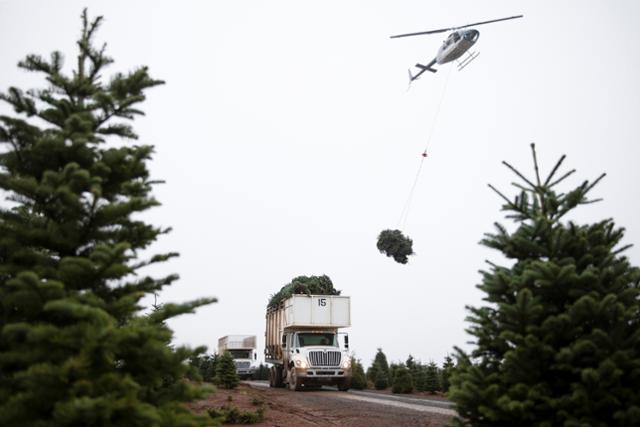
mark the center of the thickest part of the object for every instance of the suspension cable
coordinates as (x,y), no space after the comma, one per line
(405,209)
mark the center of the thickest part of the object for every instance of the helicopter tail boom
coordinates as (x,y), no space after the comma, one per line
(422,68)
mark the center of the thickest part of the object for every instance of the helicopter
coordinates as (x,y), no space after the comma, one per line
(454,46)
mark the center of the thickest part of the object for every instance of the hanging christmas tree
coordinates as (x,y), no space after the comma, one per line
(558,342)
(396,245)
(75,347)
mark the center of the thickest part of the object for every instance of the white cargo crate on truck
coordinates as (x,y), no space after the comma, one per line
(324,311)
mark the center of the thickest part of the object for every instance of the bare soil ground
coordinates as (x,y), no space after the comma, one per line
(284,408)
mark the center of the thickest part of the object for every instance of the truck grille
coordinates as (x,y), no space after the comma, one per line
(242,365)
(324,358)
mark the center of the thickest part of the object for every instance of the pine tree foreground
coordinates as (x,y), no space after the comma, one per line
(75,348)
(226,374)
(559,342)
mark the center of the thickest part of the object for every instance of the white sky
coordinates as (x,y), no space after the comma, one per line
(288,142)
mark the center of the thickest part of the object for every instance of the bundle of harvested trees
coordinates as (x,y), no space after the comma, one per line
(394,244)
(309,285)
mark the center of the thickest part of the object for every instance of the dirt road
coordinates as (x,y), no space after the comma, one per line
(328,407)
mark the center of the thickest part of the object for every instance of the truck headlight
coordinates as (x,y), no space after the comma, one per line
(346,363)
(301,363)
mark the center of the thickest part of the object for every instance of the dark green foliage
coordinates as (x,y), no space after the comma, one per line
(309,285)
(226,375)
(262,373)
(420,378)
(206,366)
(393,369)
(402,382)
(381,381)
(372,372)
(431,380)
(557,343)
(414,368)
(75,348)
(394,244)
(445,373)
(380,360)
(378,372)
(358,380)
(233,415)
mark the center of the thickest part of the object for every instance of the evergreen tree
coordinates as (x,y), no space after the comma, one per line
(75,348)
(226,374)
(414,370)
(382,380)
(380,361)
(393,370)
(431,381)
(372,372)
(421,378)
(206,366)
(558,343)
(403,382)
(396,245)
(378,366)
(358,380)
(445,373)
(410,363)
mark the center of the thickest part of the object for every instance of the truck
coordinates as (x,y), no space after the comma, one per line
(304,345)
(244,351)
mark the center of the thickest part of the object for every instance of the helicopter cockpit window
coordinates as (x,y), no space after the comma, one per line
(453,37)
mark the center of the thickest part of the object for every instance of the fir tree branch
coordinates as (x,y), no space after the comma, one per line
(555,168)
(594,183)
(622,249)
(535,163)
(588,202)
(505,198)
(562,178)
(514,170)
(522,187)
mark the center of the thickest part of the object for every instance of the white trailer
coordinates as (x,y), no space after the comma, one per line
(303,343)
(244,351)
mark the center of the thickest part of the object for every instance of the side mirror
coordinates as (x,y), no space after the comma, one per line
(346,342)
(255,356)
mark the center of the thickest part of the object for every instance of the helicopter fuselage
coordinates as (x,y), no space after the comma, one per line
(456,45)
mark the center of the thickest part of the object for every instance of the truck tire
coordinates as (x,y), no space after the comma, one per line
(295,384)
(272,377)
(344,385)
(275,377)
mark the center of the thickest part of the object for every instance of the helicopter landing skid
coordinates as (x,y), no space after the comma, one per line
(466,61)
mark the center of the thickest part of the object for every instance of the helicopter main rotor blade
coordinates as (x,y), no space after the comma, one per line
(489,22)
(455,28)
(422,33)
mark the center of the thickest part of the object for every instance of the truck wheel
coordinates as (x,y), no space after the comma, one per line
(295,384)
(272,377)
(344,385)
(277,379)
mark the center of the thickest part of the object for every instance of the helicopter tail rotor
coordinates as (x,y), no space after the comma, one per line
(422,68)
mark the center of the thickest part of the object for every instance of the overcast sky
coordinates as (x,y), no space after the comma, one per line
(288,141)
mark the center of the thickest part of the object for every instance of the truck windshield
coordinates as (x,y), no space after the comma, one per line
(307,339)
(240,354)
